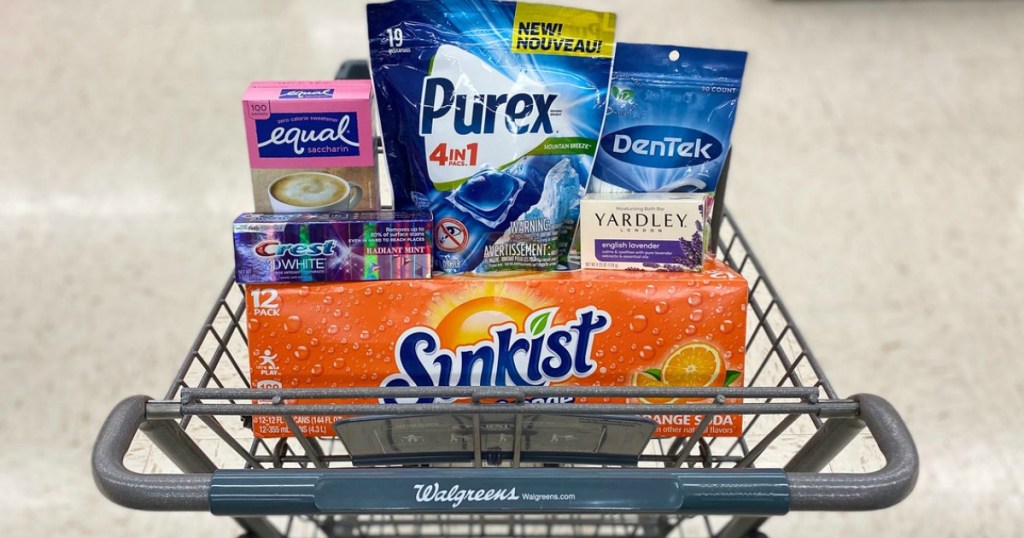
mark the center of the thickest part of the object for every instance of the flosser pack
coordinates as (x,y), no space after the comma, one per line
(670,116)
(490,114)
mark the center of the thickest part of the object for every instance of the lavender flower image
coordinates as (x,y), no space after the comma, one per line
(693,249)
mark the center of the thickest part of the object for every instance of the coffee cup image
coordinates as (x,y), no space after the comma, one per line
(313,192)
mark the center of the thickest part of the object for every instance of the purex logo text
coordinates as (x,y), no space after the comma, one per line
(426,493)
(478,113)
(543,355)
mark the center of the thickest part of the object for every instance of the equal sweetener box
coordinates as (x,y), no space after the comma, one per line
(580,328)
(332,247)
(311,146)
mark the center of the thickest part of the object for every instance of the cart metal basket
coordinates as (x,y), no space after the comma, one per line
(795,427)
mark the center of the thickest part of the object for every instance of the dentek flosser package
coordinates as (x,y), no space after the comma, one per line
(669,119)
(490,113)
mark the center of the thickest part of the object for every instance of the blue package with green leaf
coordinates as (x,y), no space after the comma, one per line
(669,119)
(490,114)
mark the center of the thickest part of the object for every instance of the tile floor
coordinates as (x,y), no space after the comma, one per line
(877,173)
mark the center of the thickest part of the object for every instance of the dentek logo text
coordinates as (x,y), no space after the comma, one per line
(661,146)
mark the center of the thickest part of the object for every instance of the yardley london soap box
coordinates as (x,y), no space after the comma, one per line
(643,231)
(311,146)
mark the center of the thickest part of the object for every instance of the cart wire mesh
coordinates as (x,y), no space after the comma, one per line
(785,398)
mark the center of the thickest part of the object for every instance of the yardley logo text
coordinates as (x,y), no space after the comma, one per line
(541,355)
(321,134)
(456,495)
(520,113)
(641,220)
(661,146)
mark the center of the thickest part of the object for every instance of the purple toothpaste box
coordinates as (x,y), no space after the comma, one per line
(332,247)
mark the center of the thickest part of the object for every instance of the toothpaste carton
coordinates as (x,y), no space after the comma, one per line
(643,231)
(311,146)
(582,328)
(332,247)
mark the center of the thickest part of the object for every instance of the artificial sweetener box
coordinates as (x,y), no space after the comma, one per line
(580,328)
(643,231)
(332,247)
(311,146)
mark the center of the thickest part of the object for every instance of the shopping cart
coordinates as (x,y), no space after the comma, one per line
(796,427)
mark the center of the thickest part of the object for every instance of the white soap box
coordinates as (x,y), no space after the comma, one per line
(643,231)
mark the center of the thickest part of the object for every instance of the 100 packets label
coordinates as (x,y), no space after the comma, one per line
(540,29)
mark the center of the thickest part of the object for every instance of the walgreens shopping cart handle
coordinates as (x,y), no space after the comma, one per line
(544,490)
(866,491)
(136,490)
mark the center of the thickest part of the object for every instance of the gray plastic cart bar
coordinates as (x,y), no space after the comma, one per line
(516,394)
(487,490)
(197,401)
(839,408)
(753,492)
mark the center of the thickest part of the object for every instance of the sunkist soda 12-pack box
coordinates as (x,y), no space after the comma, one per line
(578,328)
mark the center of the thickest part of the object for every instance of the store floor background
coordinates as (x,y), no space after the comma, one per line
(878,174)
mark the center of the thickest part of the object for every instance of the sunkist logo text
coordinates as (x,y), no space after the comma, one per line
(545,353)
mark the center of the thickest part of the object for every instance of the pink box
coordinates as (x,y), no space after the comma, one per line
(311,145)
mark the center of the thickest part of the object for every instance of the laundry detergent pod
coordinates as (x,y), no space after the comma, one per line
(491,114)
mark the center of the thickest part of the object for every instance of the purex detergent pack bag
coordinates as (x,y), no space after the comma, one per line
(670,116)
(490,114)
